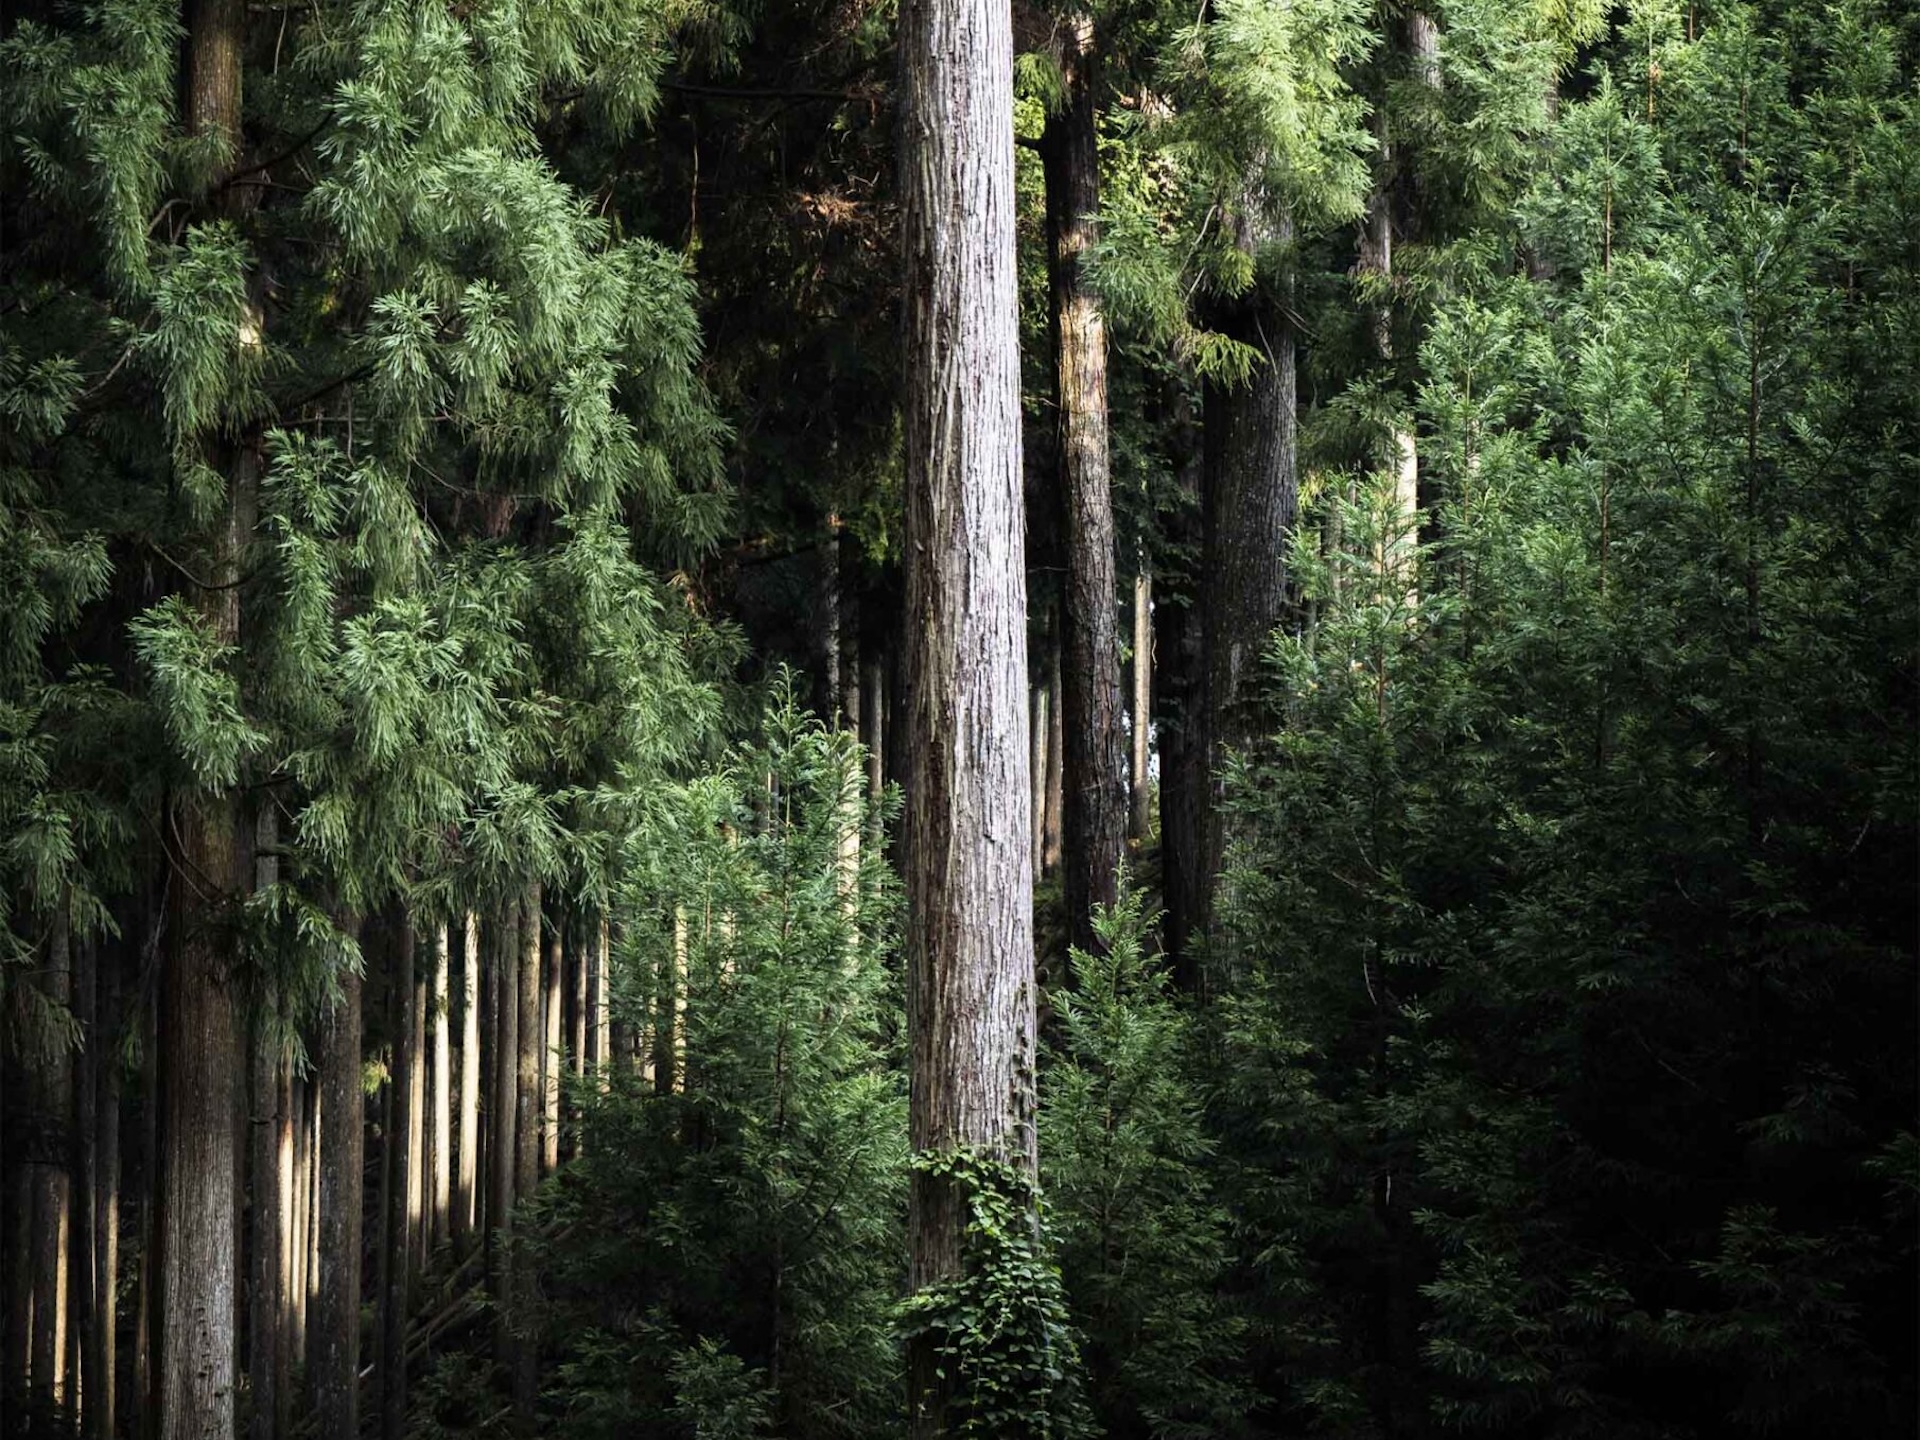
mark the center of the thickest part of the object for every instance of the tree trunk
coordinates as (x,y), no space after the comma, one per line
(1039,733)
(1094,767)
(101,1365)
(552,1058)
(1250,498)
(50,1164)
(335,1373)
(305,1297)
(530,1102)
(578,953)
(602,1017)
(1053,850)
(201,1076)
(442,1132)
(1180,707)
(970,999)
(503,1153)
(83,1295)
(401,1191)
(416,1131)
(1140,797)
(465,1198)
(266,1350)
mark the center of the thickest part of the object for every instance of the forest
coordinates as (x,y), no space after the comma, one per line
(959,719)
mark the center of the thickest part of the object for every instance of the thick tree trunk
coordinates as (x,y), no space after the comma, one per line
(1094,765)
(1140,788)
(401,1192)
(465,1198)
(200,1040)
(970,998)
(530,1103)
(442,1127)
(1250,499)
(335,1372)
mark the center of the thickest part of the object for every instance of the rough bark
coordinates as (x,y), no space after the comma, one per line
(201,1075)
(552,1057)
(1094,765)
(465,1198)
(1250,499)
(335,1373)
(969,868)
(399,1188)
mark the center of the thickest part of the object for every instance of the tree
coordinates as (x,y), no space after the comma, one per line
(969,869)
(1094,769)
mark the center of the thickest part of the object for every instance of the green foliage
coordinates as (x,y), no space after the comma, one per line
(1005,1349)
(1143,1244)
(734,1232)
(1575,956)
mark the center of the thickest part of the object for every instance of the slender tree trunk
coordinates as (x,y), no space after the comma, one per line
(1039,733)
(416,1131)
(1180,707)
(83,1296)
(530,1102)
(1054,851)
(402,1193)
(306,1189)
(442,1144)
(146,1358)
(335,1372)
(266,1350)
(578,954)
(1094,767)
(50,1165)
(552,1059)
(1140,798)
(102,1352)
(873,714)
(970,999)
(602,1017)
(503,1157)
(465,1216)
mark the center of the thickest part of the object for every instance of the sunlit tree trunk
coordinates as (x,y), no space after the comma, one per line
(1140,789)
(970,1000)
(552,1058)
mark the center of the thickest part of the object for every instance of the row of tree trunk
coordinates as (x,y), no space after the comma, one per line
(104,1324)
